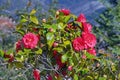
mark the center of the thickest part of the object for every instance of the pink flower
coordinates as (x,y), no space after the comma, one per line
(65,11)
(92,51)
(78,44)
(81,18)
(18,45)
(30,40)
(87,27)
(89,39)
(36,74)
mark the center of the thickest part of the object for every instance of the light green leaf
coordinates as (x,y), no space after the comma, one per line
(102,78)
(50,39)
(90,56)
(9,51)
(64,58)
(23,20)
(46,25)
(61,26)
(58,49)
(1,53)
(39,51)
(67,18)
(75,77)
(33,12)
(89,78)
(20,58)
(34,19)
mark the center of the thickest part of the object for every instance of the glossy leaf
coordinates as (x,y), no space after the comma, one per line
(64,58)
(75,77)
(34,19)
(39,51)
(50,39)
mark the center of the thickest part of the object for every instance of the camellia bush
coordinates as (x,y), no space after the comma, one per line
(57,48)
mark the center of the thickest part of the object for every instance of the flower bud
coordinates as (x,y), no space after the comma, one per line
(57,12)
(44,20)
(70,68)
(55,44)
(51,29)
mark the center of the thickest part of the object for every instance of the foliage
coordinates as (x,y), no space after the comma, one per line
(108,32)
(55,47)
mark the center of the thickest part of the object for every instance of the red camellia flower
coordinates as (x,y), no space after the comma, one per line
(81,18)
(78,44)
(92,51)
(9,56)
(89,39)
(65,11)
(54,53)
(36,74)
(49,77)
(30,40)
(59,62)
(18,45)
(87,27)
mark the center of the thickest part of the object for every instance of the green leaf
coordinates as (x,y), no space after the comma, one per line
(67,42)
(88,78)
(46,25)
(33,12)
(23,20)
(1,53)
(90,56)
(61,26)
(75,77)
(34,19)
(39,51)
(67,18)
(64,58)
(22,32)
(58,49)
(79,24)
(50,39)
(102,78)
(20,58)
(19,64)
(9,51)
(27,51)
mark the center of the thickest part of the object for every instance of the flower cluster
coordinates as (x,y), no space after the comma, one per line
(59,40)
(87,40)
